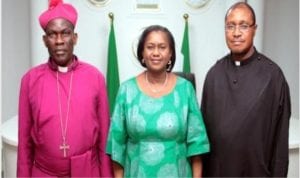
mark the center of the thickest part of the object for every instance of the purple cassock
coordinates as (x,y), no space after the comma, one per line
(55,104)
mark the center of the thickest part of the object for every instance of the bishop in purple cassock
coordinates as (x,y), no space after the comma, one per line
(63,108)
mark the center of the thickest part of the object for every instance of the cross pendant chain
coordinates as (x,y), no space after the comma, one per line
(64,147)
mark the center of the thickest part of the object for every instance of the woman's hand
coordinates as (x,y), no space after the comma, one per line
(118,170)
(196,166)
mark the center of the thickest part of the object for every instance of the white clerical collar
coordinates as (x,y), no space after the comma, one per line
(237,63)
(62,69)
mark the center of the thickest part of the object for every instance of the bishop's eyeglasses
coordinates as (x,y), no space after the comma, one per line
(241,27)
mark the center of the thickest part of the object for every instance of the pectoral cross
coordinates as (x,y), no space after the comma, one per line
(64,147)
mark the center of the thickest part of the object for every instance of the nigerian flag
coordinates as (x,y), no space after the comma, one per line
(185,49)
(112,75)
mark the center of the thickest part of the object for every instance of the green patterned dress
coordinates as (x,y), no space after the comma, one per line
(154,137)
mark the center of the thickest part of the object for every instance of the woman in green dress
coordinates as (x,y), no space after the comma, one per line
(157,128)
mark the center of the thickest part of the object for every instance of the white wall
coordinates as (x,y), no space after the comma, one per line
(1,166)
(22,47)
(15,57)
(281,42)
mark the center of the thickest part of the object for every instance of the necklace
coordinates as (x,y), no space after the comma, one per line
(64,146)
(153,89)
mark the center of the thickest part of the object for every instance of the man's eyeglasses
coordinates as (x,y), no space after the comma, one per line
(241,27)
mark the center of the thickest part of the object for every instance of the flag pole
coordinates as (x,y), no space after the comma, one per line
(185,46)
(186,17)
(111,16)
(112,73)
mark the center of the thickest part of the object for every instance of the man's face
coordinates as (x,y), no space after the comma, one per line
(60,39)
(240,31)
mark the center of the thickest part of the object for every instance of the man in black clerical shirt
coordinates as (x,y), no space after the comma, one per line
(246,106)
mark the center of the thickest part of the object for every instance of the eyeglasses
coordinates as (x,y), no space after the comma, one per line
(242,27)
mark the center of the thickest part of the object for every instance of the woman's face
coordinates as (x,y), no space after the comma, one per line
(157,52)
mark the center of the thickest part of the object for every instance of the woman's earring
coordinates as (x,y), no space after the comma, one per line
(143,61)
(169,65)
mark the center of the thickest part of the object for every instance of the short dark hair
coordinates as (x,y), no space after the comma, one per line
(242,4)
(143,37)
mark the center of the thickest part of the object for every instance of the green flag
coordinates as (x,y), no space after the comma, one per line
(112,75)
(185,49)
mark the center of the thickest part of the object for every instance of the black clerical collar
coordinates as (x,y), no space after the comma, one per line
(72,66)
(245,61)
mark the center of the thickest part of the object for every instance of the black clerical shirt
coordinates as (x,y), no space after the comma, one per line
(246,109)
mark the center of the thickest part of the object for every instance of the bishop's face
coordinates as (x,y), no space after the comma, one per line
(240,31)
(157,52)
(60,39)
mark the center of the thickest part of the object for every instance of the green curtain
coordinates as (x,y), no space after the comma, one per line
(185,49)
(112,75)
